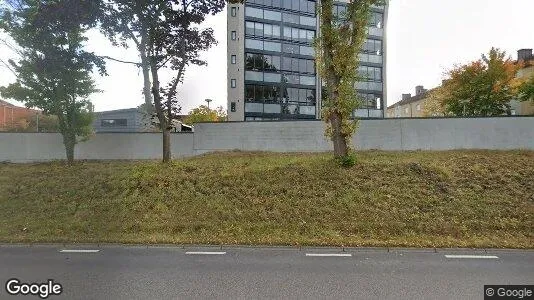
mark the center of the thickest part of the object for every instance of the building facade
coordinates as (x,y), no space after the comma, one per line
(131,120)
(11,115)
(525,56)
(271,68)
(409,106)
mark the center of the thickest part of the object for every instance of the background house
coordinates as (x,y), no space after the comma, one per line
(128,120)
(525,56)
(410,106)
(13,117)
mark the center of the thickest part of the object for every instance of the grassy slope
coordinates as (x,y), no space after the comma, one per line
(432,199)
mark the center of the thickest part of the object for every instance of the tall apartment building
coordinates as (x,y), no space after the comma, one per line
(271,67)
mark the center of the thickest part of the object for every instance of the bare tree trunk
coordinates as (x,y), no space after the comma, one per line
(336,121)
(69,140)
(163,122)
(166,144)
(340,143)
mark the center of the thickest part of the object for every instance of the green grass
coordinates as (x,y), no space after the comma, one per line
(409,199)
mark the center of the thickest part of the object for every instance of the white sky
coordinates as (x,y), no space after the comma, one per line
(425,37)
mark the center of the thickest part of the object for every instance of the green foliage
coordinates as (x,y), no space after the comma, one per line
(168,35)
(337,50)
(526,90)
(410,199)
(481,88)
(53,72)
(348,160)
(205,114)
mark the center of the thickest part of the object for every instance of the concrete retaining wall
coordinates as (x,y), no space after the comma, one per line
(297,136)
(27,147)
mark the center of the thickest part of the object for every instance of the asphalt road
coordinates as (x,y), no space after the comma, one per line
(116,272)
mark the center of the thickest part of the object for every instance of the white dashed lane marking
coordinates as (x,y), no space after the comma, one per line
(472,256)
(78,251)
(329,254)
(204,253)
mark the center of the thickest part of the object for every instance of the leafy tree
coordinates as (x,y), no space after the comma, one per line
(53,72)
(526,90)
(481,88)
(205,114)
(167,35)
(432,106)
(337,50)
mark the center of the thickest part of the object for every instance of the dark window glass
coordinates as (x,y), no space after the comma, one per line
(249,92)
(233,83)
(234,11)
(232,106)
(114,122)
(234,58)
(234,35)
(258,93)
(249,61)
(259,61)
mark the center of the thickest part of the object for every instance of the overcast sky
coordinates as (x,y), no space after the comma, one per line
(425,37)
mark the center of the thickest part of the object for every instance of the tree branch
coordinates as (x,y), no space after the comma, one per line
(121,61)
(8,67)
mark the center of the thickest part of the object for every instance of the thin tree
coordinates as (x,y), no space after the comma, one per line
(53,71)
(337,48)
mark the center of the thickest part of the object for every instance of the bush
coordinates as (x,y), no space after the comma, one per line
(347,161)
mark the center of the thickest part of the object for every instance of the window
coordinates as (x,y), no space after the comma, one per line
(114,122)
(249,28)
(418,107)
(370,73)
(308,21)
(373,46)
(298,65)
(299,35)
(232,106)
(233,83)
(376,20)
(234,11)
(304,50)
(234,35)
(234,59)
(262,93)
(291,18)
(254,44)
(406,110)
(272,15)
(254,12)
